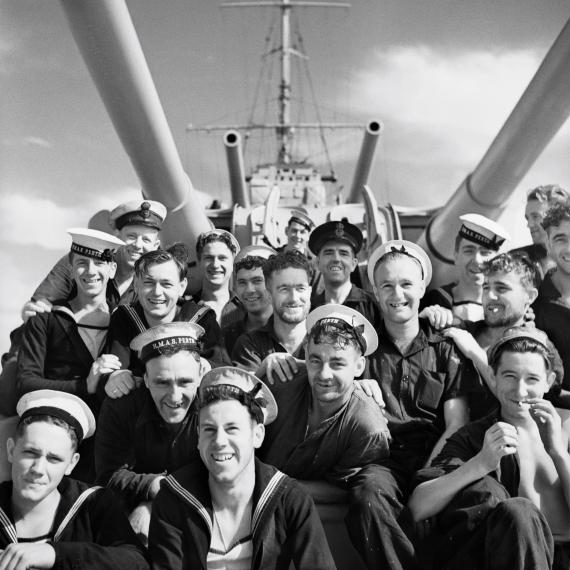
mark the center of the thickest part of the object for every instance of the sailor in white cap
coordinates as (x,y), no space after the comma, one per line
(48,519)
(65,348)
(137,223)
(153,430)
(328,429)
(216,250)
(298,230)
(425,382)
(249,287)
(478,240)
(235,497)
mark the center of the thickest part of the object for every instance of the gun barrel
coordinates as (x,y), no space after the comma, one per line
(234,155)
(538,115)
(107,40)
(364,163)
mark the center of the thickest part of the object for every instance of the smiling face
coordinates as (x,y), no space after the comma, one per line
(336,262)
(399,286)
(172,382)
(216,262)
(138,240)
(158,290)
(469,257)
(534,214)
(559,246)
(91,275)
(332,370)
(290,294)
(251,291)
(520,377)
(40,458)
(297,236)
(505,299)
(227,438)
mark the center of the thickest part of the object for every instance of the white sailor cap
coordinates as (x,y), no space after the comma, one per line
(483,231)
(148,213)
(67,407)
(405,247)
(341,314)
(240,385)
(263,251)
(162,339)
(93,243)
(221,235)
(300,216)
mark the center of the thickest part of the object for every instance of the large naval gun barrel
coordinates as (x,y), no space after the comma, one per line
(234,155)
(539,114)
(108,42)
(364,164)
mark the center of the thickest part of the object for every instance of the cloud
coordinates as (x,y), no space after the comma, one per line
(37,141)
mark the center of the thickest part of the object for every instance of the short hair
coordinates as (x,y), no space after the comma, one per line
(178,253)
(227,392)
(170,351)
(521,345)
(335,334)
(250,262)
(556,215)
(550,193)
(395,255)
(48,419)
(286,259)
(210,237)
(513,262)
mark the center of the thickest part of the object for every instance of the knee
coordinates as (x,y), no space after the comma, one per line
(516,512)
(374,491)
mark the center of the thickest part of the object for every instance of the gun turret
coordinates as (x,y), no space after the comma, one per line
(539,114)
(234,155)
(362,170)
(107,40)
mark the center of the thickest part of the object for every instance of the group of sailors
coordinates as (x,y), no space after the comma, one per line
(200,430)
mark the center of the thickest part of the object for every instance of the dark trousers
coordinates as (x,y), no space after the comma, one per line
(378,523)
(484,527)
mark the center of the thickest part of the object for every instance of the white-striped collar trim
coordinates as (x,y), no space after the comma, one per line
(192,500)
(73,511)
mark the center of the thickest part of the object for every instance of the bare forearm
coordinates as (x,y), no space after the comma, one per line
(562,463)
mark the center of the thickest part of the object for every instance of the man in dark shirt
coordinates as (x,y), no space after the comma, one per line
(152,431)
(422,378)
(336,245)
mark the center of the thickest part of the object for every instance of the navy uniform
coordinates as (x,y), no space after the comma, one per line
(357,298)
(484,234)
(89,530)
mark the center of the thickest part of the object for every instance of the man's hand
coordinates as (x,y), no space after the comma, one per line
(500,439)
(438,317)
(105,364)
(32,308)
(140,521)
(371,388)
(155,486)
(280,366)
(549,426)
(22,556)
(121,382)
(466,343)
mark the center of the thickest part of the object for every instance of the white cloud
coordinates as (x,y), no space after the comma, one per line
(37,141)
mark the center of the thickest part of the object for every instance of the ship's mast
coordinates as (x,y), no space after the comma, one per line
(284,127)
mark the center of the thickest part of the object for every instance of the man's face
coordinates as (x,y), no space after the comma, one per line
(216,262)
(399,287)
(505,299)
(336,262)
(251,291)
(468,260)
(534,214)
(290,294)
(520,376)
(559,246)
(227,438)
(172,382)
(40,458)
(91,275)
(297,236)
(159,289)
(332,370)
(138,240)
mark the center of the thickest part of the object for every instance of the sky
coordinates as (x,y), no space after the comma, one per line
(442,76)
